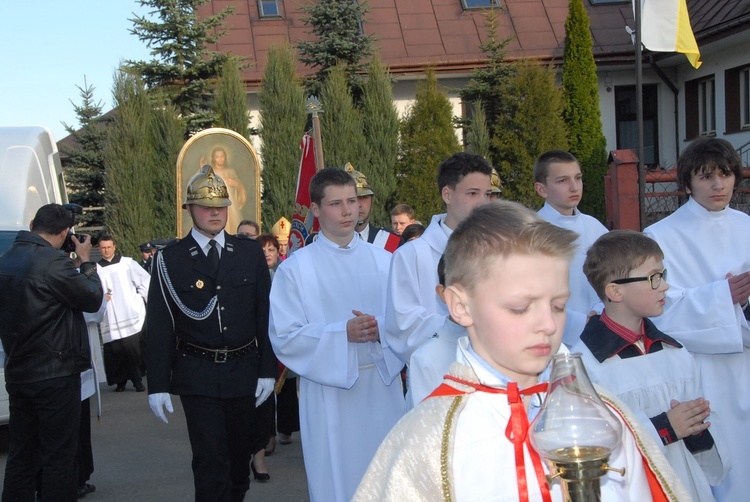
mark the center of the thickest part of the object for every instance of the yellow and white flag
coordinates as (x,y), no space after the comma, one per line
(665,27)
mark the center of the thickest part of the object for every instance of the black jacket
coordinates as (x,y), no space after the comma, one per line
(242,286)
(43,297)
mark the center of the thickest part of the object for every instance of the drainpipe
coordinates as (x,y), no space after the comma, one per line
(675,93)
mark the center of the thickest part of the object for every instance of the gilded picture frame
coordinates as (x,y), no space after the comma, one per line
(234,159)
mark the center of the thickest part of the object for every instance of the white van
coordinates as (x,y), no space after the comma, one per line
(30,177)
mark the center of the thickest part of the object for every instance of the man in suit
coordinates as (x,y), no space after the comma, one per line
(208,339)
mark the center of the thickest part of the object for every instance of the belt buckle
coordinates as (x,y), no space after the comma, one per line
(220,356)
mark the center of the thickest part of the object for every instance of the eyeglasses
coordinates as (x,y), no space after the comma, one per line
(654,279)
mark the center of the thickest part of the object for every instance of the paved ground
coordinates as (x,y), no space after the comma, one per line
(138,458)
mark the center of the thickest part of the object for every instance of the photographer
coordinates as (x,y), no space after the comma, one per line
(46,344)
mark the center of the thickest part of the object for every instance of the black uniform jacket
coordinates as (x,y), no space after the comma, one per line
(242,286)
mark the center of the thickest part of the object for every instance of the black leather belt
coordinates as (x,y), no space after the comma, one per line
(216,355)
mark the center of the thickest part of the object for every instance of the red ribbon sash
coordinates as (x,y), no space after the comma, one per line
(517,430)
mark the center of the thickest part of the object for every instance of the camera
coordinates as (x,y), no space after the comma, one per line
(75,211)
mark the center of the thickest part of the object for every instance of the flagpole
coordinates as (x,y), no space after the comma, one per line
(639,114)
(313,107)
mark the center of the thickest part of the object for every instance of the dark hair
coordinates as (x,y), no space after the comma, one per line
(403,209)
(704,155)
(541,165)
(453,169)
(52,219)
(330,176)
(441,270)
(264,239)
(249,223)
(614,255)
(412,231)
(106,237)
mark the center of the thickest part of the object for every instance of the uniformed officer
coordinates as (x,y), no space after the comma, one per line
(496,185)
(147,253)
(208,339)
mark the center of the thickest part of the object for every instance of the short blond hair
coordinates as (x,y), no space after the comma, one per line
(500,228)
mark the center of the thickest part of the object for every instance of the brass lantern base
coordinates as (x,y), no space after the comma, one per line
(580,470)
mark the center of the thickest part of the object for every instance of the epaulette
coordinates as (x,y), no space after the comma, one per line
(170,243)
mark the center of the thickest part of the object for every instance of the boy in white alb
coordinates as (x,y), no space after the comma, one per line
(627,271)
(706,247)
(430,362)
(558,179)
(413,310)
(507,283)
(326,325)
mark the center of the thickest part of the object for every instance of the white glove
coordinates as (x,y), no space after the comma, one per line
(159,400)
(265,387)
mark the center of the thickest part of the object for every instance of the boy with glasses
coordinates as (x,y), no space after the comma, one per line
(625,269)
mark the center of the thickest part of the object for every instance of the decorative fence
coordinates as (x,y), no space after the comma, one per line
(662,195)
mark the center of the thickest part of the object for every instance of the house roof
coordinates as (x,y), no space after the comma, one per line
(712,18)
(414,34)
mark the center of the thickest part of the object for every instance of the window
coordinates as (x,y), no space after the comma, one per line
(269,8)
(700,107)
(737,99)
(626,123)
(479,4)
(604,2)
(745,98)
(706,107)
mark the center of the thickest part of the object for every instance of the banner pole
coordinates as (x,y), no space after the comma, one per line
(313,107)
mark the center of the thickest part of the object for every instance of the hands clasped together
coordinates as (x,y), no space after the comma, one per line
(362,328)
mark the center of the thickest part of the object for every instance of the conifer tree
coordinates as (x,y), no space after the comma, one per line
(487,81)
(83,163)
(282,124)
(230,102)
(341,123)
(581,109)
(381,138)
(182,66)
(167,140)
(532,126)
(427,138)
(337,24)
(478,137)
(129,158)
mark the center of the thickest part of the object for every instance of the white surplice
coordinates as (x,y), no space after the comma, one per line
(414,311)
(430,362)
(127,283)
(670,373)
(700,248)
(582,296)
(350,395)
(480,463)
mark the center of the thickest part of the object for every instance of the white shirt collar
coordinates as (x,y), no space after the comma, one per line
(365,232)
(203,241)
(552,212)
(448,231)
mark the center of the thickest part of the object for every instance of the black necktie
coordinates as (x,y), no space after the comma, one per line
(213,256)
